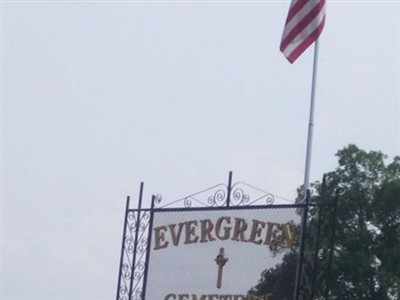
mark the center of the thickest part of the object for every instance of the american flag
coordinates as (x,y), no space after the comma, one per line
(304,24)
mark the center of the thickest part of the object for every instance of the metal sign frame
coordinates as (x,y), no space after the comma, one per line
(138,227)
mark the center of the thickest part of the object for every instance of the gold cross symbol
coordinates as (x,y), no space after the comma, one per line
(221,260)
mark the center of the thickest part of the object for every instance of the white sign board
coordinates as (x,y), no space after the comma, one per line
(216,254)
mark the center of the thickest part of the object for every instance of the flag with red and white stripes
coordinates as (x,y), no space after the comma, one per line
(304,24)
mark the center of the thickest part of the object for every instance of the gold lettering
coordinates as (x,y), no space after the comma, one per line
(275,235)
(288,234)
(239,229)
(191,237)
(206,228)
(227,230)
(256,231)
(269,233)
(159,237)
(176,236)
(276,239)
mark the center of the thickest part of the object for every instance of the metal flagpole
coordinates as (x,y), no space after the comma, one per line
(307,192)
(311,121)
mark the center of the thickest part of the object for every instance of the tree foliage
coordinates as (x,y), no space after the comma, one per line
(366,252)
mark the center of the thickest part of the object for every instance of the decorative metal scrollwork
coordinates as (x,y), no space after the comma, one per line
(239,194)
(135,244)
(215,196)
(269,199)
(139,273)
(129,244)
(140,258)
(239,197)
(218,199)
(131,219)
(142,245)
(187,202)
(137,295)
(244,194)
(123,293)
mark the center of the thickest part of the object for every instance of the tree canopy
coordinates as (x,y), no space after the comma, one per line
(366,252)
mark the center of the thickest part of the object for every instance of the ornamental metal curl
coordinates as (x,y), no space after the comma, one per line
(145,216)
(138,274)
(137,295)
(218,199)
(131,219)
(142,226)
(129,244)
(142,245)
(131,216)
(157,199)
(239,197)
(269,199)
(123,293)
(126,271)
(187,202)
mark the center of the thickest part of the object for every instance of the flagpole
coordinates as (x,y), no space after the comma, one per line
(311,121)
(307,193)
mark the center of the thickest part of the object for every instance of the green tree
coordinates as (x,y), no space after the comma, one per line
(366,256)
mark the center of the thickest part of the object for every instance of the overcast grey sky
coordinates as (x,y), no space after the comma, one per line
(98,96)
